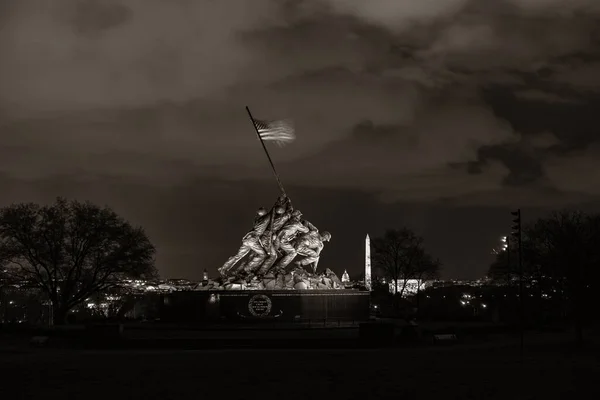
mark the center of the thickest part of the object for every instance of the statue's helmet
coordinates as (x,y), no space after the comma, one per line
(279,210)
(260,212)
(325,236)
(297,214)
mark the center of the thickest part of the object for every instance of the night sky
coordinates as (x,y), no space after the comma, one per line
(439,115)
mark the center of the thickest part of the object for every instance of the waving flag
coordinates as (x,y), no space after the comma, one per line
(281,132)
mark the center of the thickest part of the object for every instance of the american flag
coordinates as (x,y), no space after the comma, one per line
(281,132)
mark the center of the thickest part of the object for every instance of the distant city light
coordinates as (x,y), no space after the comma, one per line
(408,288)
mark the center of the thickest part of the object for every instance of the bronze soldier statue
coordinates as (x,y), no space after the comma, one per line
(310,246)
(280,218)
(310,226)
(277,237)
(285,237)
(250,242)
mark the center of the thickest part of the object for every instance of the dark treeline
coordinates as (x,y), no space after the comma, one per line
(559,275)
(560,262)
(71,252)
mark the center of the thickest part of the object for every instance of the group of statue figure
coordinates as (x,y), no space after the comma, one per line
(276,239)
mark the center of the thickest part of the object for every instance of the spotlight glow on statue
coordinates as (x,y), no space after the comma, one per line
(279,237)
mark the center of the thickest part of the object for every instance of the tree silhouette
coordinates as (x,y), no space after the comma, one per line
(400,255)
(503,268)
(560,256)
(572,258)
(72,250)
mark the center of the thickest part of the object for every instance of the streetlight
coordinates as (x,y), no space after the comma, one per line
(502,247)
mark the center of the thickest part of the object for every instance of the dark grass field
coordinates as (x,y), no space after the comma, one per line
(551,369)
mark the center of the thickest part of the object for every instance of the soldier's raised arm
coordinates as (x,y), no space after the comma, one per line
(310,226)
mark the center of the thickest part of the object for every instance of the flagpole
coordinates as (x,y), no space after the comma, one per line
(266,152)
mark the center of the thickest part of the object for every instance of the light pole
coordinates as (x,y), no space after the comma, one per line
(516,232)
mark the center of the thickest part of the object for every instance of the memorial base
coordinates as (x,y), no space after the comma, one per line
(265,305)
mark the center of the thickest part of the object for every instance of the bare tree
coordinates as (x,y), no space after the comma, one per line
(428,268)
(113,303)
(573,255)
(560,256)
(401,257)
(502,269)
(72,250)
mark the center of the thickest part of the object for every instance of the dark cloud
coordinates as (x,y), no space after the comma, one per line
(91,17)
(444,103)
(525,167)
(536,96)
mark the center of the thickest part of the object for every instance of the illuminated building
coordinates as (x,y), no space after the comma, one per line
(411,287)
(345,277)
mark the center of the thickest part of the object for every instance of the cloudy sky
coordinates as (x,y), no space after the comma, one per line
(439,115)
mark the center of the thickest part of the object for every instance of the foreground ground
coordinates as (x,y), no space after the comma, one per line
(549,371)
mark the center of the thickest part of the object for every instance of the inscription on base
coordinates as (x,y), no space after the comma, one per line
(259,305)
